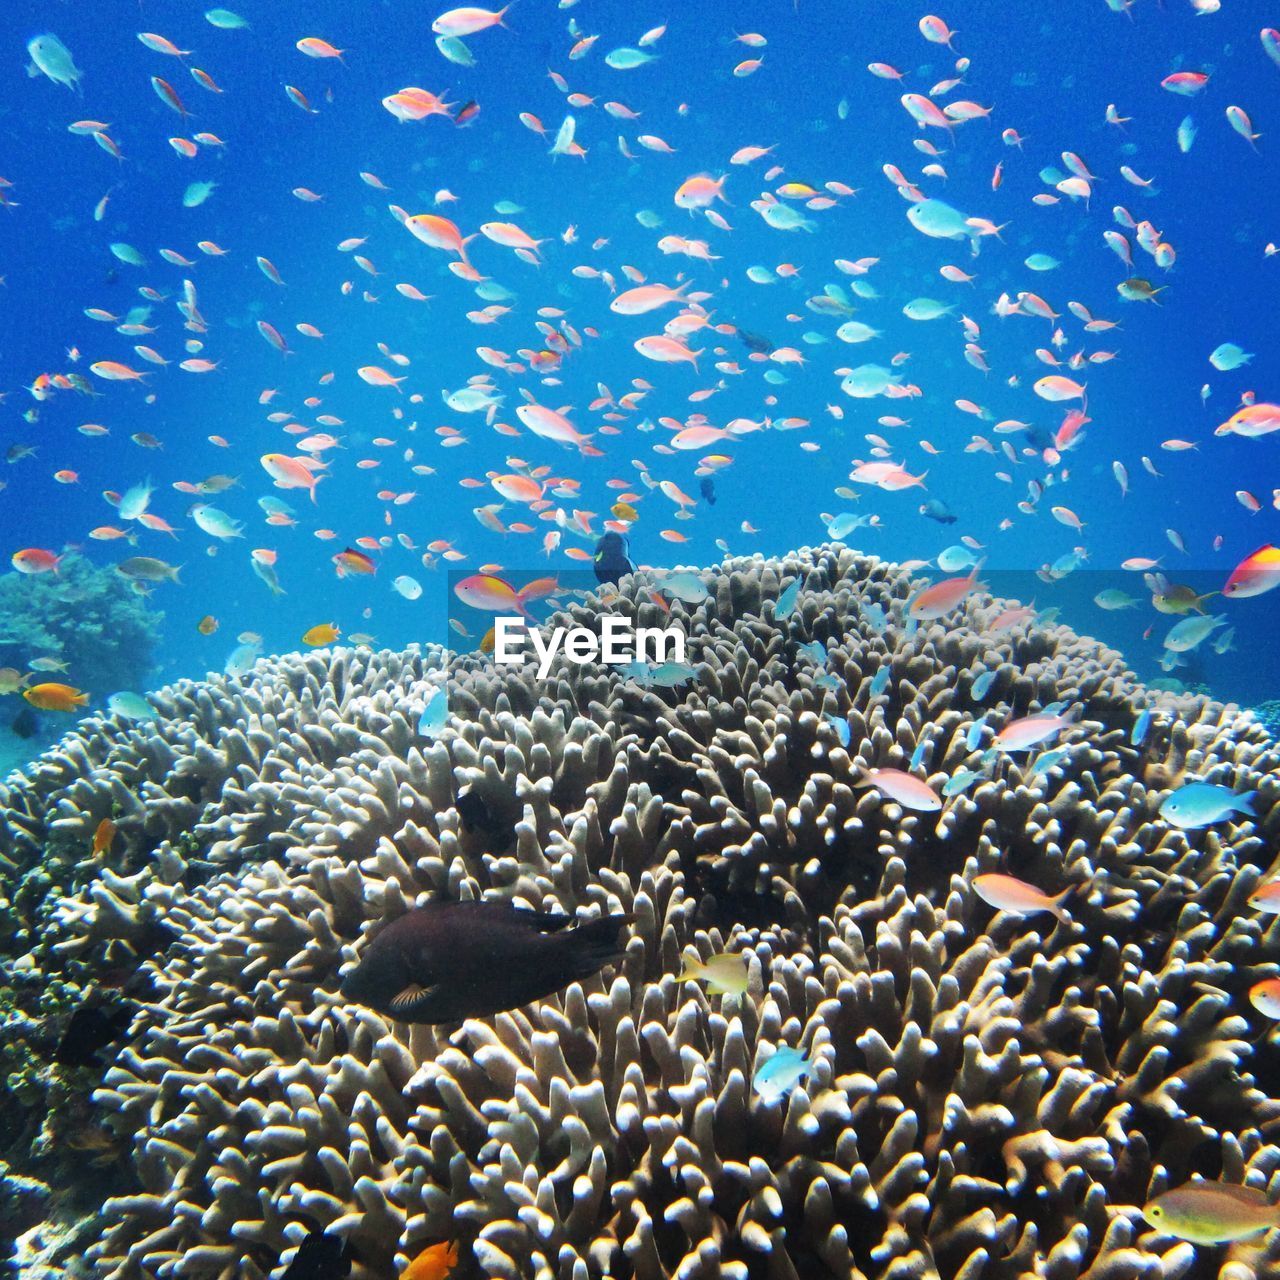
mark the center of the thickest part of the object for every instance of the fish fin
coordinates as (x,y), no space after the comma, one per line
(546,921)
(597,943)
(406,999)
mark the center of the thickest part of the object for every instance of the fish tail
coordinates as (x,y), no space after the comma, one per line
(595,944)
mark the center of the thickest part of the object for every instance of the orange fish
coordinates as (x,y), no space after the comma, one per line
(103,837)
(321,634)
(207,625)
(55,697)
(433,1263)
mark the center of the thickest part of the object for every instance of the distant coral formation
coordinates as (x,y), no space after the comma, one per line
(990,1098)
(89,617)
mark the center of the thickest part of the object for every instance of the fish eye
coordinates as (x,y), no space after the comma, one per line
(1155,1212)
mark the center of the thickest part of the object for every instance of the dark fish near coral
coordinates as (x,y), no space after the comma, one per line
(708,489)
(611,559)
(453,960)
(25,724)
(478,816)
(90,1029)
(320,1257)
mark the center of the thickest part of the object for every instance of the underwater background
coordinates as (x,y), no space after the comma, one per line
(921,368)
(1049,75)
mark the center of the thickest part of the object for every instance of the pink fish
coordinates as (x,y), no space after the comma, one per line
(1007,893)
(908,790)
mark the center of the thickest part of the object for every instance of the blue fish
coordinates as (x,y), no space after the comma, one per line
(974,736)
(844,524)
(776,1078)
(841,726)
(875,616)
(981,685)
(827,681)
(960,781)
(1046,760)
(1138,735)
(435,715)
(1055,708)
(917,756)
(880,681)
(787,601)
(815,650)
(1201,804)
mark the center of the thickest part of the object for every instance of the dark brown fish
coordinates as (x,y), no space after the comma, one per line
(453,960)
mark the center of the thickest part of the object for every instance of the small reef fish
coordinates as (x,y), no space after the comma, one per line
(909,791)
(1265,997)
(434,1263)
(103,835)
(1212,1212)
(1007,893)
(435,715)
(449,961)
(726,973)
(130,706)
(55,697)
(775,1078)
(322,633)
(1030,731)
(1201,804)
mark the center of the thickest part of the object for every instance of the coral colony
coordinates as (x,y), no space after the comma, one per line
(909,1082)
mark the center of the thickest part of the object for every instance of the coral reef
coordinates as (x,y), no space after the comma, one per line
(89,617)
(989,1097)
(1268,715)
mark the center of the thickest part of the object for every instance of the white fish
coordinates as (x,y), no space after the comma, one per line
(1228,356)
(50,57)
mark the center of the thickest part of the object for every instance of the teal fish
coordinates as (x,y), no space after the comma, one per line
(684,586)
(224,20)
(435,715)
(787,601)
(960,781)
(1141,727)
(880,681)
(131,706)
(776,1078)
(1113,598)
(981,685)
(1201,804)
(814,650)
(841,726)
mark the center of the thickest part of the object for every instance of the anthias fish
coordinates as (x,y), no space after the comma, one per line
(448,961)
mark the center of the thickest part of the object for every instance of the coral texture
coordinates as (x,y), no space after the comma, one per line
(89,617)
(990,1096)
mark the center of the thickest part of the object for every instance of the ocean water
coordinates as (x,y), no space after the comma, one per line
(824,118)
(106,233)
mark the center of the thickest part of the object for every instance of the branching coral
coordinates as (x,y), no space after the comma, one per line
(989,1097)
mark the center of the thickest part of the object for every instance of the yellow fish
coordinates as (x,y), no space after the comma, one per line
(725,973)
(624,511)
(324,633)
(1212,1212)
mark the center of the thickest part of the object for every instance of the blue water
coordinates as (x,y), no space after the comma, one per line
(1048,71)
